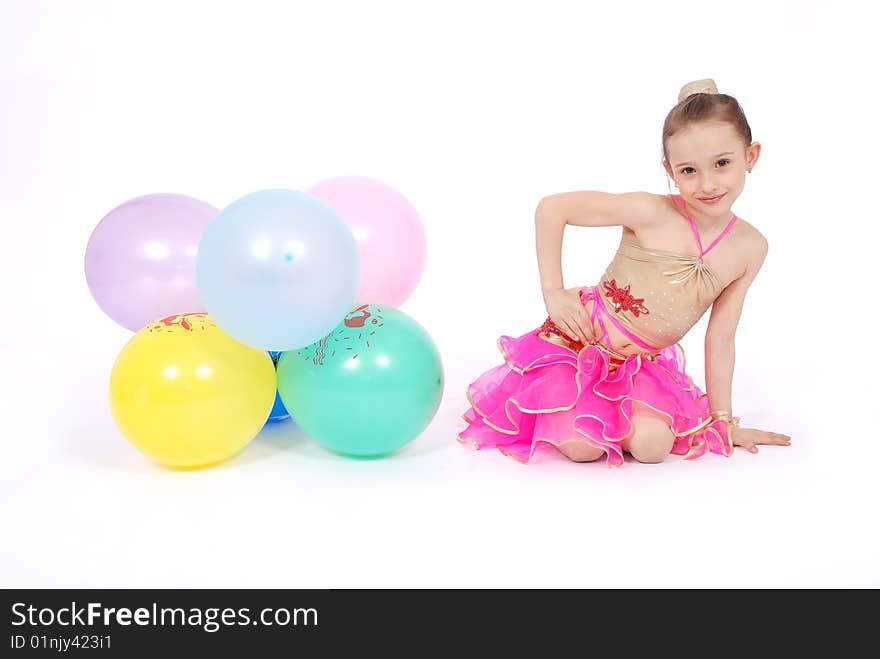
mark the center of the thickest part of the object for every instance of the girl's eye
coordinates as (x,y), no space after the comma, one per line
(684,169)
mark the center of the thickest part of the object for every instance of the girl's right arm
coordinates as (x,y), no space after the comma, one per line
(586,209)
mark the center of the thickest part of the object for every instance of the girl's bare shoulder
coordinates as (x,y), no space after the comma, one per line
(752,239)
(656,211)
(750,246)
(662,204)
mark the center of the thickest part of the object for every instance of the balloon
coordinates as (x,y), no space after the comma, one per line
(367,388)
(141,258)
(277,269)
(389,234)
(187,394)
(279,412)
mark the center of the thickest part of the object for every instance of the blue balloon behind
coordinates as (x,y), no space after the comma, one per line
(277,269)
(279,412)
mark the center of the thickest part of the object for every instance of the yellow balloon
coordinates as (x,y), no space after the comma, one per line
(187,394)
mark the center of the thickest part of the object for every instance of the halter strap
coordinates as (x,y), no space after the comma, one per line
(703,252)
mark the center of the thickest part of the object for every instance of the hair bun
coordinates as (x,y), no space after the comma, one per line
(704,86)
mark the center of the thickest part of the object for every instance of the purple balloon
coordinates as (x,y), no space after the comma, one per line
(141,258)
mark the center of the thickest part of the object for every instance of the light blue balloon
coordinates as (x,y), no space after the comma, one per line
(277,269)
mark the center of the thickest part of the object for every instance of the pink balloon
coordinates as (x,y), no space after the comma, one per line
(389,234)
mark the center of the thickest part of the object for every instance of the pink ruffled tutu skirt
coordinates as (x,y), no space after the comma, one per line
(545,394)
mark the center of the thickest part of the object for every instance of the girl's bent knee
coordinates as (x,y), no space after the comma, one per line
(652,446)
(649,455)
(580,451)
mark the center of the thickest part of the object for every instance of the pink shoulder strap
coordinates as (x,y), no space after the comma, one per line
(703,252)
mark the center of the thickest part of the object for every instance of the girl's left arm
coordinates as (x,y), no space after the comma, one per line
(720,334)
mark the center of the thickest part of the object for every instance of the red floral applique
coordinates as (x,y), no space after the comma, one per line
(549,327)
(623,299)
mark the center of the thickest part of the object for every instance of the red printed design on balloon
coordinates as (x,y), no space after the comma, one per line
(349,338)
(358,317)
(182,321)
(623,299)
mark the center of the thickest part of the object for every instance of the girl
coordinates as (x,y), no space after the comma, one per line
(605,373)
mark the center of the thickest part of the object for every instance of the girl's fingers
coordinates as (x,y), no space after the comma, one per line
(771,439)
(780,440)
(582,331)
(590,329)
(586,327)
(585,337)
(573,331)
(748,445)
(764,437)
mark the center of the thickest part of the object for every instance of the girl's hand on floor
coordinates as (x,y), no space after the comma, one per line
(749,438)
(566,311)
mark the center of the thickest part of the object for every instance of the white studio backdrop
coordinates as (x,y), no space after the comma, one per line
(474,111)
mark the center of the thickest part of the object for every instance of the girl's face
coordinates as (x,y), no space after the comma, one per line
(706,160)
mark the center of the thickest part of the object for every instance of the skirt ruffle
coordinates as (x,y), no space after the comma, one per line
(545,394)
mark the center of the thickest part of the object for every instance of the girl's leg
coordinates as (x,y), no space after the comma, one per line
(651,438)
(579,451)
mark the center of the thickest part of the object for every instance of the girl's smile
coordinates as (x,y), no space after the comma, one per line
(712,200)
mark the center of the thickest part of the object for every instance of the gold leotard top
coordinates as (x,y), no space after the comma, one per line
(655,296)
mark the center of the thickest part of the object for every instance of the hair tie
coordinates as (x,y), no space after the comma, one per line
(704,86)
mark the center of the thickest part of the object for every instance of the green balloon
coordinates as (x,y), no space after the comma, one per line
(367,388)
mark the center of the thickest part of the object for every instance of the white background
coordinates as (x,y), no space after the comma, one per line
(474,111)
